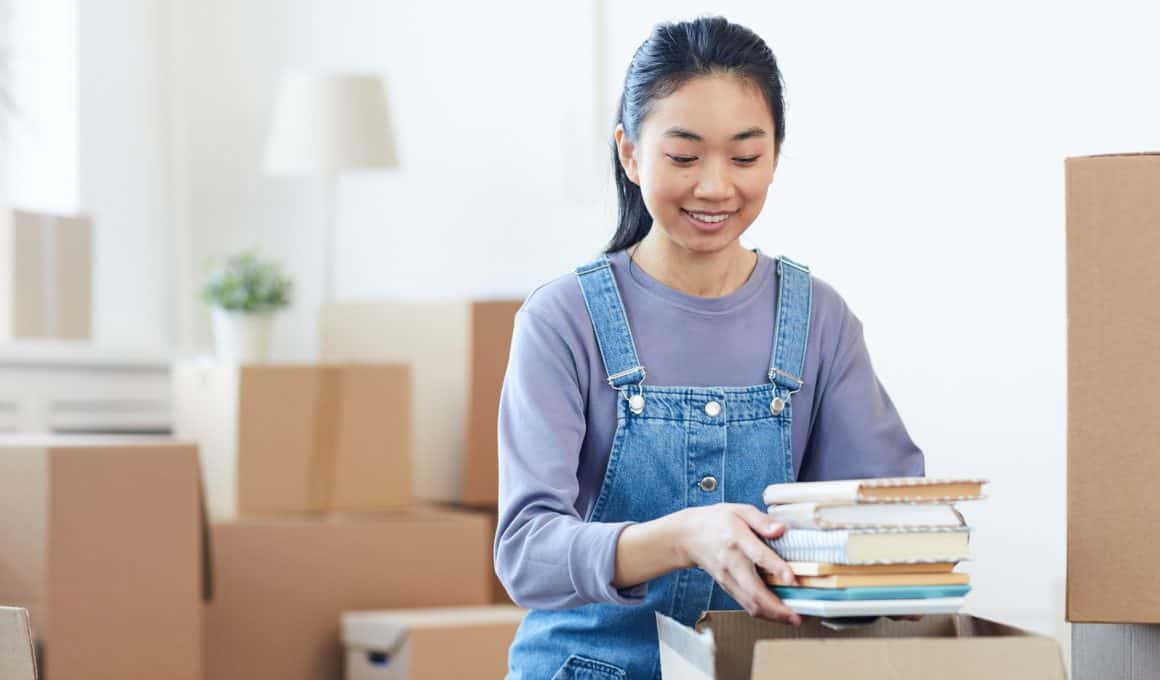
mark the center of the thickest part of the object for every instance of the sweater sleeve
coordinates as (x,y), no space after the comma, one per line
(857,432)
(546,555)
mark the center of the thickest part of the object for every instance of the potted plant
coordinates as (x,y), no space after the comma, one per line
(244,292)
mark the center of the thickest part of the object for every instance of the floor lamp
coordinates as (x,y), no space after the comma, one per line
(325,125)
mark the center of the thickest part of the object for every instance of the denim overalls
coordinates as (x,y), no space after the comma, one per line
(674,448)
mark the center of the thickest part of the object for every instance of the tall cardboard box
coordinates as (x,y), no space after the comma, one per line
(17,661)
(102,543)
(281,584)
(298,438)
(1113,269)
(46,264)
(736,646)
(430,644)
(458,352)
(499,594)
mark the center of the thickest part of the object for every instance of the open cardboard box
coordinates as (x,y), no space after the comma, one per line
(730,645)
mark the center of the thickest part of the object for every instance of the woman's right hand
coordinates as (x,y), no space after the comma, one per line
(727,540)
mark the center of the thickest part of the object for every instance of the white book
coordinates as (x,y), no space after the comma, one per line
(866,515)
(873,546)
(883,490)
(829,608)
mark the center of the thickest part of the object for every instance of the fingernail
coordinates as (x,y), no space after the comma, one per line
(787,578)
(772,528)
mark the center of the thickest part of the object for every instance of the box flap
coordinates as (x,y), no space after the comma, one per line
(686,654)
(1024,656)
(1117,155)
(17,661)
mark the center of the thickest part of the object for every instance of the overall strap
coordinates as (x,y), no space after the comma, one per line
(606,310)
(793,325)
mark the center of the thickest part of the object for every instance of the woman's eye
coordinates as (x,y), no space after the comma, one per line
(747,160)
(682,160)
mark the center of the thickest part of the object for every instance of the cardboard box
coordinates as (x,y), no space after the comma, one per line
(298,438)
(281,584)
(736,646)
(458,352)
(1113,268)
(103,544)
(17,661)
(499,594)
(1112,651)
(46,264)
(413,644)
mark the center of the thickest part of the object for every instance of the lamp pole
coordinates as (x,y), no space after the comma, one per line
(330,234)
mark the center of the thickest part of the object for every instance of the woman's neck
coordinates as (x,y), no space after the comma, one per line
(708,275)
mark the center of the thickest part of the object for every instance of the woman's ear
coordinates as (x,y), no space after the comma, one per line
(626,150)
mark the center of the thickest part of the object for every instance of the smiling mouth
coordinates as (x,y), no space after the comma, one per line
(707,219)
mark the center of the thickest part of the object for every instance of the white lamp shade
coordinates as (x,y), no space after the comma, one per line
(326,124)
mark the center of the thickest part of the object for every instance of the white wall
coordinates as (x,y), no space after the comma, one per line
(42,150)
(87,136)
(922,176)
(501,179)
(123,169)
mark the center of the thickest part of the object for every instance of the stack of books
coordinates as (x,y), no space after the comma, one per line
(871,547)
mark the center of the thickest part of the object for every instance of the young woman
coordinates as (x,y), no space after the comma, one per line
(653,394)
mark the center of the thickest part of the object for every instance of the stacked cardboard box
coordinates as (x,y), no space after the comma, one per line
(1113,267)
(286,439)
(281,584)
(414,644)
(458,353)
(45,276)
(103,544)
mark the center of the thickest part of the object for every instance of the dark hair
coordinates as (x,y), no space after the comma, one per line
(674,54)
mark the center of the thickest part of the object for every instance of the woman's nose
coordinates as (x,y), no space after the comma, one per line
(714,182)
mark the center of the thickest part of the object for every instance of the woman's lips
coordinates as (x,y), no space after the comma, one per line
(708,226)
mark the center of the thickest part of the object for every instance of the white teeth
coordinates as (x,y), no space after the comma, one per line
(711,219)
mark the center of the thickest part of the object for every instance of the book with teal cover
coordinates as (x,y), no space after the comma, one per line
(871,593)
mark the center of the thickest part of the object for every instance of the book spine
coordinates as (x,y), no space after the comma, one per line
(833,555)
(805,545)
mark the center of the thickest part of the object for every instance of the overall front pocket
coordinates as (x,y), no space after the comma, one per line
(583,668)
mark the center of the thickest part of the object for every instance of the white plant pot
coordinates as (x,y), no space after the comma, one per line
(240,337)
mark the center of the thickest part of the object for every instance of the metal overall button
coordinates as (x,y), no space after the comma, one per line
(636,403)
(708,483)
(713,409)
(777,406)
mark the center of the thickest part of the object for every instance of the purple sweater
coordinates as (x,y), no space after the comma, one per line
(557,414)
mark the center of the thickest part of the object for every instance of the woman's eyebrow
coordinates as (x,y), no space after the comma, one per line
(682,133)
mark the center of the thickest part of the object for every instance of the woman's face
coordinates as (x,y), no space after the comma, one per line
(704,161)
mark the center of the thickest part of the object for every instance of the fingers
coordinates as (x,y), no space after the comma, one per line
(763,556)
(761,523)
(756,598)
